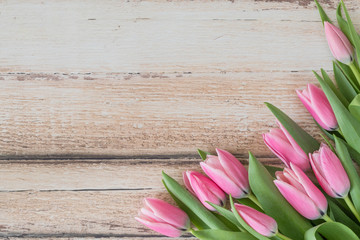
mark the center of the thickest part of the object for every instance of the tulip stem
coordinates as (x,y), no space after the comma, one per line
(352,207)
(355,71)
(327,218)
(254,199)
(279,235)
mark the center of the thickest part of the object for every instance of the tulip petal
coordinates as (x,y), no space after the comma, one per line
(187,182)
(318,173)
(163,228)
(169,213)
(334,172)
(260,222)
(301,202)
(234,169)
(322,107)
(312,191)
(204,189)
(222,180)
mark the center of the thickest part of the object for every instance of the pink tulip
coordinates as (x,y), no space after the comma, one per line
(339,45)
(301,193)
(315,101)
(228,173)
(329,172)
(280,142)
(163,217)
(260,222)
(204,189)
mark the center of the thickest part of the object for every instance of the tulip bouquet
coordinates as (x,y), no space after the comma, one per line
(264,202)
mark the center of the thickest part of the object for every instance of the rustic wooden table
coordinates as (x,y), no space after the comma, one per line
(97,97)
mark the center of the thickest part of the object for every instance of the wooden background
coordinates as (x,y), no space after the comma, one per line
(97,97)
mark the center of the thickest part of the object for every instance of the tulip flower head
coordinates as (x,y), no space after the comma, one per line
(228,173)
(260,222)
(204,189)
(301,193)
(315,101)
(280,142)
(163,217)
(329,172)
(339,45)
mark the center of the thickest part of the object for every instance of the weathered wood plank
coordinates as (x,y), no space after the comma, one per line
(97,175)
(143,114)
(82,199)
(162,36)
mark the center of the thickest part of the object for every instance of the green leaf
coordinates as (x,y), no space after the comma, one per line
(353,34)
(330,83)
(198,223)
(342,23)
(203,154)
(290,222)
(322,13)
(349,126)
(272,170)
(248,202)
(343,83)
(331,231)
(228,215)
(354,107)
(244,224)
(305,141)
(350,169)
(231,226)
(341,217)
(346,70)
(192,203)
(212,234)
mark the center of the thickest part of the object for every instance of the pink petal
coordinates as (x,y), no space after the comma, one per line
(301,202)
(312,191)
(234,169)
(260,222)
(283,149)
(205,188)
(314,160)
(222,180)
(338,43)
(334,172)
(187,183)
(169,213)
(163,228)
(322,108)
(294,144)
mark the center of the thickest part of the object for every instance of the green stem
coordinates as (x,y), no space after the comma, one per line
(282,236)
(339,131)
(254,199)
(352,207)
(327,218)
(355,71)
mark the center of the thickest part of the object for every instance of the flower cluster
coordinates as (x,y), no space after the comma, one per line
(319,181)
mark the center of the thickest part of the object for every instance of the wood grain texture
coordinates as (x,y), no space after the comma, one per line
(91,198)
(112,115)
(97,97)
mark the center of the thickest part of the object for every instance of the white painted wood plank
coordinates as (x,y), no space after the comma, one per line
(163,36)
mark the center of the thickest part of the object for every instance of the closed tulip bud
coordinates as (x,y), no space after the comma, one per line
(260,222)
(228,173)
(204,189)
(329,172)
(280,142)
(339,45)
(163,217)
(301,193)
(315,101)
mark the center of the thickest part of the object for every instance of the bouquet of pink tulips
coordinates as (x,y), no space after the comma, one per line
(271,203)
